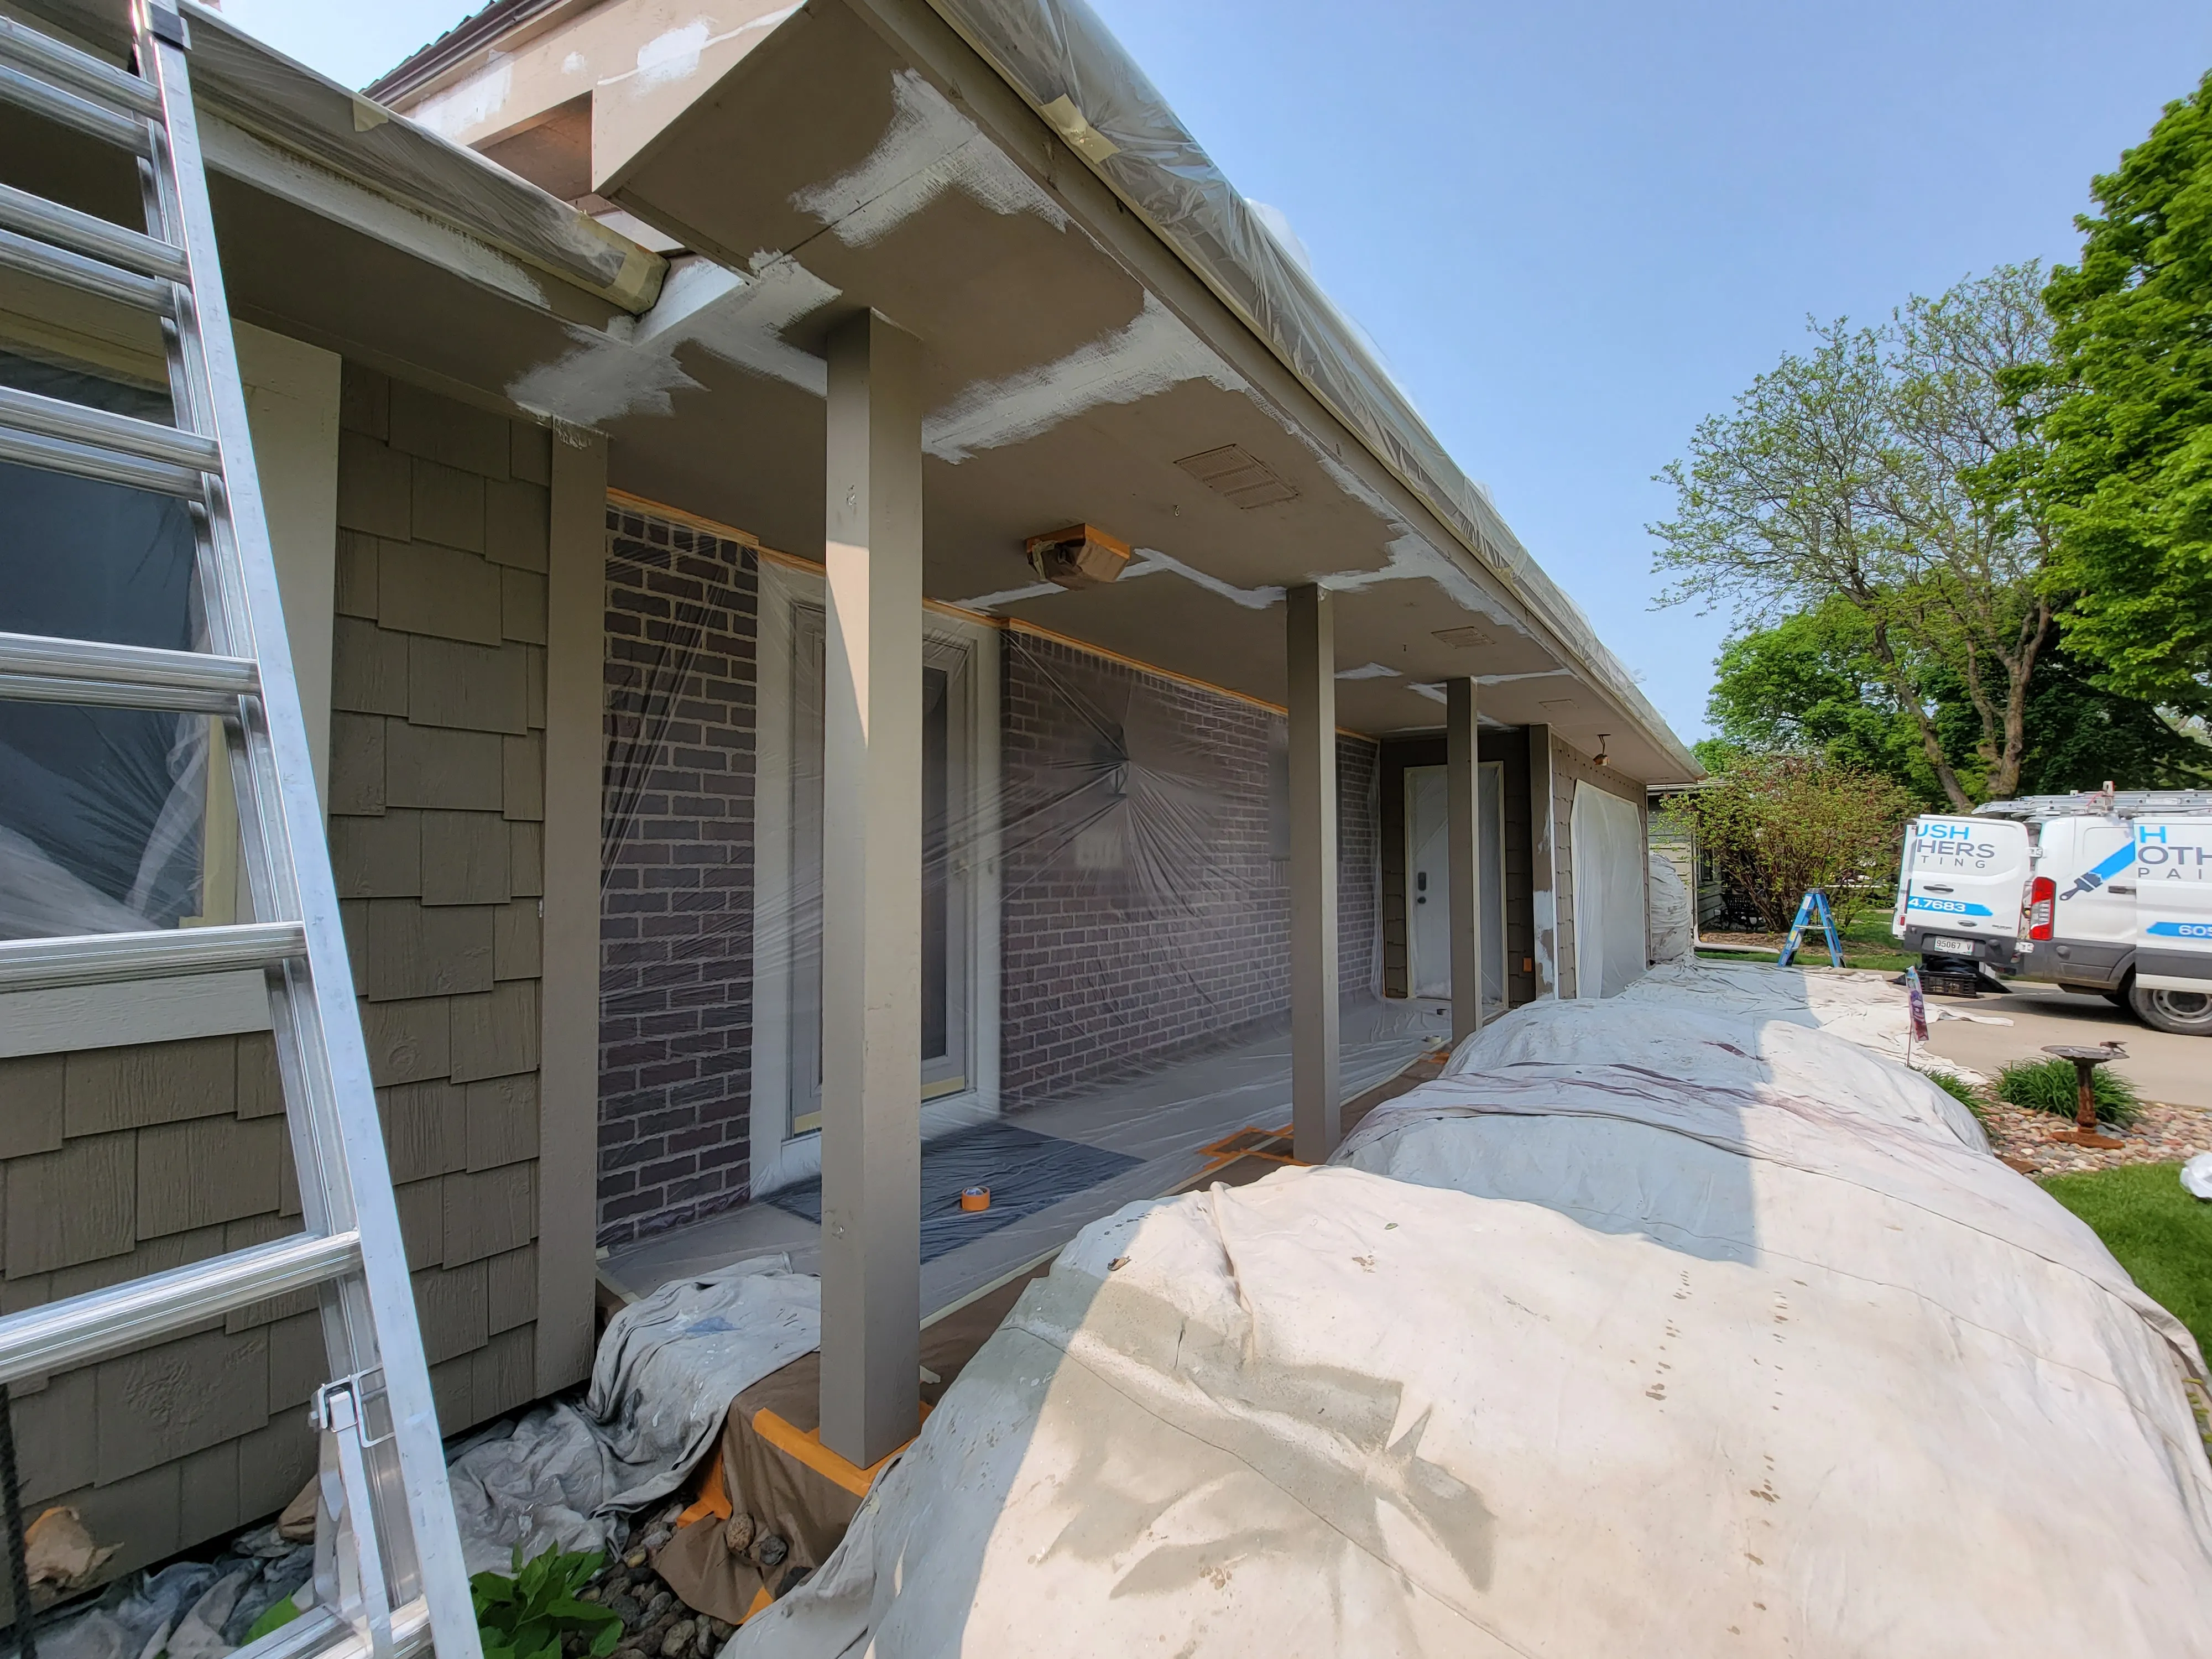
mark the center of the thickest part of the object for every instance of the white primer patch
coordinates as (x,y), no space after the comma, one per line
(468,103)
(1010,595)
(673,55)
(928,148)
(1147,560)
(1150,353)
(1372,671)
(631,368)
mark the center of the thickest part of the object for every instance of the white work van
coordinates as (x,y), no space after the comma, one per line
(2112,896)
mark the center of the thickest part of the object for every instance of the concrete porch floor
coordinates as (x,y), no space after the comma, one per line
(1162,1119)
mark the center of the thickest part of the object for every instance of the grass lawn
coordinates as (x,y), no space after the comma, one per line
(1868,943)
(2160,1234)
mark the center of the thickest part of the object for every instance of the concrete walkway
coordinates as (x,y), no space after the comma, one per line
(2177,1070)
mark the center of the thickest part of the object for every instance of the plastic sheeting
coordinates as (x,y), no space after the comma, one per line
(563,1475)
(102,811)
(188,1610)
(1631,1350)
(1609,855)
(1673,933)
(1063,59)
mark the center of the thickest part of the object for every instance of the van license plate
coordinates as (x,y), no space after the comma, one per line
(1956,947)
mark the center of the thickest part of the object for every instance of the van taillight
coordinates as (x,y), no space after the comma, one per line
(2042,904)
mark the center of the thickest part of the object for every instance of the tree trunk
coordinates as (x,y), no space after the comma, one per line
(1909,694)
(2020,672)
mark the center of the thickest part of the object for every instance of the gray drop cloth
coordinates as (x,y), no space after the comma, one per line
(190,1609)
(563,1475)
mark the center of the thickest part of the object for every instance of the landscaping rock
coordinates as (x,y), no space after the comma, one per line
(678,1639)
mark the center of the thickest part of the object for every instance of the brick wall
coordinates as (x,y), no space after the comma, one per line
(1145,909)
(1358,862)
(675,892)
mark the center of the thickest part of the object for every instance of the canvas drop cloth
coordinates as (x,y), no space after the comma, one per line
(1673,934)
(1695,1346)
(561,1476)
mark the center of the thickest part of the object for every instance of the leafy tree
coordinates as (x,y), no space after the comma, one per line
(1776,825)
(1887,471)
(2130,470)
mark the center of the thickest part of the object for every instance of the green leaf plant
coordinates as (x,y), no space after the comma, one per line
(525,1616)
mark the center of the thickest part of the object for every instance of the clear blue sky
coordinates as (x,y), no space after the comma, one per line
(1575,228)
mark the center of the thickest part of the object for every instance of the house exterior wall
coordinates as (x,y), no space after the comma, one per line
(676,927)
(1145,908)
(1510,749)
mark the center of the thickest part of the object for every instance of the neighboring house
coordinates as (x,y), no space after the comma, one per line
(550,480)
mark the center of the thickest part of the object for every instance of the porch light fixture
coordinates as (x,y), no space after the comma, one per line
(1601,758)
(1081,556)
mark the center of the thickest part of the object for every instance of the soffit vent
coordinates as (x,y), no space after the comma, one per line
(1236,473)
(1466,639)
(1559,705)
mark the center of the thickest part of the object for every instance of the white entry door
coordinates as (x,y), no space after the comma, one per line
(1428,882)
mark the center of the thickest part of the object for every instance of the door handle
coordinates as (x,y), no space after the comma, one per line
(1933,888)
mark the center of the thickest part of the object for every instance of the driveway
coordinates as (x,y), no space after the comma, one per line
(2177,1070)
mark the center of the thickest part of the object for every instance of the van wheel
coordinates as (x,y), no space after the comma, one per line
(2118,996)
(2186,1014)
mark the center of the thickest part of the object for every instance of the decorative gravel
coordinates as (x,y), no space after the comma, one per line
(2161,1135)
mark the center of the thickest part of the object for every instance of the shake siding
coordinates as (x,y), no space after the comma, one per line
(676,905)
(117,1162)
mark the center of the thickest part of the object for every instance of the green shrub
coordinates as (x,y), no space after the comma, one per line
(2049,1085)
(1959,1089)
(525,1616)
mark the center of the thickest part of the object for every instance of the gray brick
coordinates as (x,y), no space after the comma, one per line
(152,1083)
(491,1212)
(518,524)
(522,605)
(426,1129)
(522,790)
(178,1398)
(433,766)
(76,1205)
(260,1090)
(408,1041)
(480,687)
(378,858)
(449,507)
(465,859)
(517,941)
(418,951)
(495,1034)
(31,1105)
(209,1170)
(451,1308)
(525,859)
(434,590)
(356,574)
(375,487)
(357,761)
(442,429)
(513,1291)
(368,668)
(502,1121)
(530,452)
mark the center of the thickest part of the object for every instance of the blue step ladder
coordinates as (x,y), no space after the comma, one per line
(1813,906)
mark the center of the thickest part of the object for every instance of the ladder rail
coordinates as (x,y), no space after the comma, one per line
(93,237)
(369,1318)
(45,964)
(97,277)
(109,466)
(82,73)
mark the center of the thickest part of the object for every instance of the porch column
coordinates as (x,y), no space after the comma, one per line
(1316,1109)
(1543,885)
(871,895)
(1463,785)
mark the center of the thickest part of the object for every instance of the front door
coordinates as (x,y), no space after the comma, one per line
(1428,881)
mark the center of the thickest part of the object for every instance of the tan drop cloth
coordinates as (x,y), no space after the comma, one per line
(773,1467)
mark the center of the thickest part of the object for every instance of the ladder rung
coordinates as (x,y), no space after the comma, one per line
(91,236)
(43,55)
(42,1340)
(88,276)
(60,455)
(34,668)
(67,109)
(56,417)
(30,965)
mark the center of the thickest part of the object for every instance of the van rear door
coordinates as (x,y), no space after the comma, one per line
(2174,904)
(1962,882)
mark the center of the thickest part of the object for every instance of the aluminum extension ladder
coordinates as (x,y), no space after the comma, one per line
(386,1526)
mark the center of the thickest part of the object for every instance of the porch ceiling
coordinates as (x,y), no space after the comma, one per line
(1065,378)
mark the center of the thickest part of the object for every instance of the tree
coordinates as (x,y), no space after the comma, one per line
(1888,470)
(1777,825)
(2129,467)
